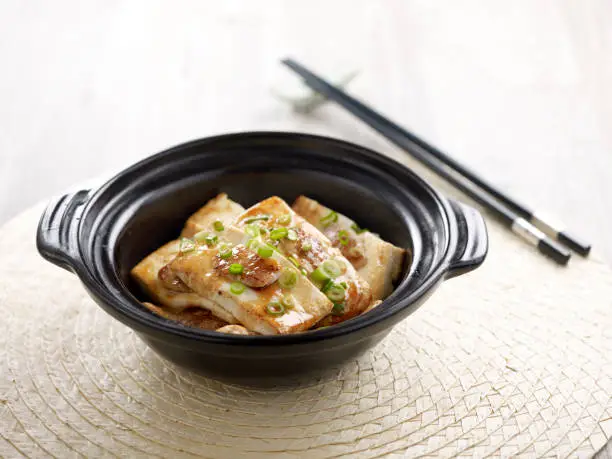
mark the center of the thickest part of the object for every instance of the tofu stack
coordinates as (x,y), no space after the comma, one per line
(264,270)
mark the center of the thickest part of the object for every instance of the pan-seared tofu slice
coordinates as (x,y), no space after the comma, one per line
(190,317)
(234,330)
(276,224)
(168,291)
(220,208)
(268,297)
(376,261)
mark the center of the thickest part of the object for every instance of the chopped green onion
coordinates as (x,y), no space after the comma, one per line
(208,238)
(225,245)
(284,219)
(211,239)
(338,309)
(225,250)
(252,230)
(327,285)
(264,218)
(294,261)
(186,245)
(236,268)
(288,279)
(263,230)
(336,293)
(237,288)
(292,235)
(318,275)
(304,272)
(330,218)
(344,285)
(218,225)
(278,233)
(201,236)
(288,301)
(332,268)
(265,251)
(343,237)
(355,227)
(306,246)
(274,308)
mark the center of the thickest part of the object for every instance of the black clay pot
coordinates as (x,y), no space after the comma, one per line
(101,234)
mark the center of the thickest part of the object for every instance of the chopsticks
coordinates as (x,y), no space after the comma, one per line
(514,214)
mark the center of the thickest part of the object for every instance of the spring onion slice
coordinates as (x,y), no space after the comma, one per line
(186,245)
(338,309)
(225,254)
(330,218)
(265,251)
(258,218)
(211,239)
(274,308)
(294,261)
(218,225)
(237,288)
(318,275)
(208,238)
(252,230)
(278,233)
(288,279)
(284,219)
(306,247)
(327,285)
(332,268)
(292,235)
(343,237)
(288,301)
(355,227)
(336,293)
(236,268)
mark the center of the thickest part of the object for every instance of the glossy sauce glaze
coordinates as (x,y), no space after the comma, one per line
(308,249)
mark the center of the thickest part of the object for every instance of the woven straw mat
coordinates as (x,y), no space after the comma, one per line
(514,359)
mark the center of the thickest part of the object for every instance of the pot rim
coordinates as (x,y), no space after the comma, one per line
(143,321)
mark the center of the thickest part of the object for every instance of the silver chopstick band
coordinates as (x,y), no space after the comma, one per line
(544,222)
(527,231)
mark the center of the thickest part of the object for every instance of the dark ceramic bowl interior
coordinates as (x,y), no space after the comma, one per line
(101,234)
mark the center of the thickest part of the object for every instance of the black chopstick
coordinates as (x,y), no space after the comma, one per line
(420,151)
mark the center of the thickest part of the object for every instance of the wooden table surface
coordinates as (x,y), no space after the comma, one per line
(521,91)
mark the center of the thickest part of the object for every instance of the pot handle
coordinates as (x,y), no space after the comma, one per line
(57,235)
(473,241)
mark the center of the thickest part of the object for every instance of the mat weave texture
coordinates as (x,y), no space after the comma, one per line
(514,359)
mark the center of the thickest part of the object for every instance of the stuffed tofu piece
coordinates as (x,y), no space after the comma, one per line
(218,213)
(274,223)
(376,261)
(164,288)
(252,282)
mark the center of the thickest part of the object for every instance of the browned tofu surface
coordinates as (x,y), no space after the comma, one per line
(308,249)
(220,208)
(377,261)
